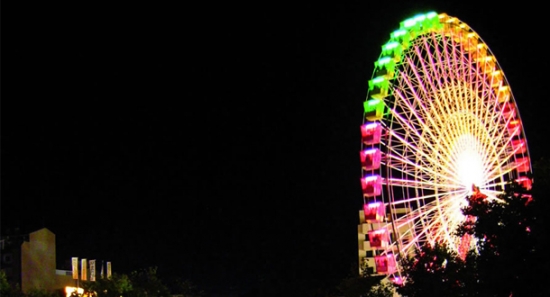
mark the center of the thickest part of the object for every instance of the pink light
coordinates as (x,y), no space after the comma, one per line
(397,280)
(371,133)
(508,110)
(527,197)
(370,159)
(379,238)
(372,185)
(375,212)
(519,146)
(385,263)
(525,182)
(514,128)
(522,164)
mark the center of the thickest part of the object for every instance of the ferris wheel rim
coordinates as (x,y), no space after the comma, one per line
(392,54)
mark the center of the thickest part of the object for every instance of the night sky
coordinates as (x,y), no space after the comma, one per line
(217,141)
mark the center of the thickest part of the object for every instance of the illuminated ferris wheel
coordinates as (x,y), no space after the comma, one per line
(440,119)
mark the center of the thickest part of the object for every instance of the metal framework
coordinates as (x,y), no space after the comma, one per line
(439,117)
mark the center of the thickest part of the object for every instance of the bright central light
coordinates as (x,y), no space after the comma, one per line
(469,163)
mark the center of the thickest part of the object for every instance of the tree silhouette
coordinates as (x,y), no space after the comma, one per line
(506,230)
(364,284)
(434,270)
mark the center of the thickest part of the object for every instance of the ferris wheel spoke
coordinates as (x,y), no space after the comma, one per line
(406,123)
(421,154)
(449,122)
(414,217)
(442,56)
(426,227)
(444,72)
(409,168)
(419,221)
(421,101)
(417,183)
(424,127)
(438,225)
(418,97)
(436,73)
(422,229)
(393,159)
(502,165)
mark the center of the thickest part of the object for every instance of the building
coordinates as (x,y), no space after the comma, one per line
(29,262)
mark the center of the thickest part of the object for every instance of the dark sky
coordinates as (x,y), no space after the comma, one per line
(217,141)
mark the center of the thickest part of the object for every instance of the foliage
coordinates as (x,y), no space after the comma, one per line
(6,290)
(4,285)
(383,289)
(364,285)
(115,286)
(139,284)
(509,255)
(147,283)
(186,288)
(434,270)
(506,230)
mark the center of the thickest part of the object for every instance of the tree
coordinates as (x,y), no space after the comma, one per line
(7,290)
(507,234)
(510,253)
(146,283)
(434,270)
(141,283)
(115,286)
(364,284)
(5,287)
(186,288)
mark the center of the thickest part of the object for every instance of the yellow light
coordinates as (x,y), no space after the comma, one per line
(469,162)
(451,20)
(71,290)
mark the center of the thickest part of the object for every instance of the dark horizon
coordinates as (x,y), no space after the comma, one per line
(220,144)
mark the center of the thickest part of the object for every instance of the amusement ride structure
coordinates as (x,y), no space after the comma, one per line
(440,122)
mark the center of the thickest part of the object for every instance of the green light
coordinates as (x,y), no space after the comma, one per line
(380,82)
(374,109)
(383,61)
(390,45)
(420,17)
(431,15)
(409,23)
(398,33)
(400,40)
(373,102)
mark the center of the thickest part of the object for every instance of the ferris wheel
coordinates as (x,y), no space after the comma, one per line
(440,121)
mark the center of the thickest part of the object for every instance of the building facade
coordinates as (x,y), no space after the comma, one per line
(29,262)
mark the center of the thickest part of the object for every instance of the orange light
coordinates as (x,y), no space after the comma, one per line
(70,290)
